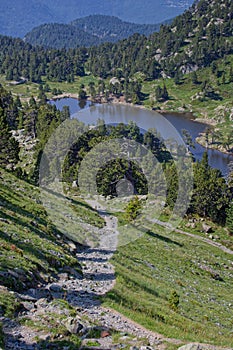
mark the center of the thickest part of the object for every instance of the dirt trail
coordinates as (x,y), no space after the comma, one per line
(200,238)
(83,293)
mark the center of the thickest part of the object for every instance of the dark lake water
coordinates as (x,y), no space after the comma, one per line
(169,125)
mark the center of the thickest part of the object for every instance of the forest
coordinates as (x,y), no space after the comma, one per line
(192,41)
(88,31)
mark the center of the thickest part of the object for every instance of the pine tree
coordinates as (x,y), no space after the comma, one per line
(165,95)
(82,94)
(158,93)
(210,193)
(9,147)
(65,113)
(133,208)
(231,75)
(194,78)
(229,218)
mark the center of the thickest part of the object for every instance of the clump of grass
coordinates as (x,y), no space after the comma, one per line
(92,343)
(72,342)
(8,304)
(174,300)
(94,332)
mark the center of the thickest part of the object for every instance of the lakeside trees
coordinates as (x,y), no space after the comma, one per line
(211,195)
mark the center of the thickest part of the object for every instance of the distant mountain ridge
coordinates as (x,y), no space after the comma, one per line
(17,17)
(87,31)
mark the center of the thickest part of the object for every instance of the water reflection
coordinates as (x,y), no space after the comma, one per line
(145,119)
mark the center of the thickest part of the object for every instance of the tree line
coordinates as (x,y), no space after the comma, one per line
(195,39)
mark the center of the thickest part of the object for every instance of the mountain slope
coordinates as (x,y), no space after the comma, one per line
(87,31)
(17,17)
(195,39)
(110,28)
(59,36)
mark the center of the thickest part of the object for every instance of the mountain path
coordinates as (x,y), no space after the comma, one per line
(84,295)
(192,235)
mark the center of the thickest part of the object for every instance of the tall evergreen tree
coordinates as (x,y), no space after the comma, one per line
(229,219)
(9,147)
(210,194)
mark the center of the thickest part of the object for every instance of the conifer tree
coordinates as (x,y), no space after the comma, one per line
(9,147)
(229,219)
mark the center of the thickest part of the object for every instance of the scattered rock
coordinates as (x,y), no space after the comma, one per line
(105,334)
(206,228)
(28,305)
(195,347)
(56,288)
(72,246)
(74,184)
(5,220)
(34,223)
(73,325)
(72,272)
(217,277)
(191,225)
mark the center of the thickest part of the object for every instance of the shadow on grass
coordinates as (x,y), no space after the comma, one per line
(133,305)
(72,201)
(163,238)
(19,210)
(30,227)
(138,284)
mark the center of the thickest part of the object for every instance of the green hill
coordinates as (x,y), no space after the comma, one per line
(87,31)
(193,40)
(30,247)
(59,36)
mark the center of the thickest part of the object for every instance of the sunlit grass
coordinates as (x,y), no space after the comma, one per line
(150,268)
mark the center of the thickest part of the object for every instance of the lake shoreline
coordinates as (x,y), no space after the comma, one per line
(189,115)
(180,120)
(114,100)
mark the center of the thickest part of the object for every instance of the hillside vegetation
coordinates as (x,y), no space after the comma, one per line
(87,31)
(60,36)
(19,17)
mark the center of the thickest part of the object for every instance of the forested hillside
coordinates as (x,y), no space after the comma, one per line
(87,31)
(60,36)
(18,17)
(195,39)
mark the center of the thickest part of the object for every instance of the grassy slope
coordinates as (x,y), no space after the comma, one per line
(149,269)
(29,244)
(27,90)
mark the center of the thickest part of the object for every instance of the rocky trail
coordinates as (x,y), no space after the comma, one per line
(82,292)
(45,313)
(200,238)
